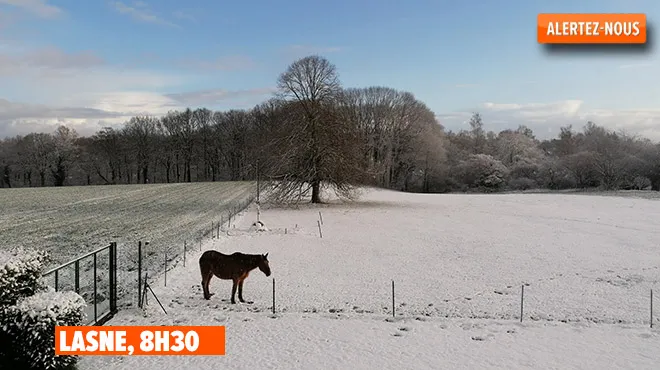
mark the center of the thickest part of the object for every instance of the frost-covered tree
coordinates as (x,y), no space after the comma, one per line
(483,171)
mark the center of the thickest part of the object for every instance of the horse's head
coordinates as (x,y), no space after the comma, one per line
(263,264)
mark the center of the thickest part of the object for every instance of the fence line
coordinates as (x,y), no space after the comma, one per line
(392,310)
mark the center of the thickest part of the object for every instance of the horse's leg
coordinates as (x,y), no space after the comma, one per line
(233,291)
(240,290)
(206,279)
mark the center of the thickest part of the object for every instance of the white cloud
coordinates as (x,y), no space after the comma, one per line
(141,12)
(22,118)
(47,86)
(40,8)
(49,58)
(12,110)
(546,118)
(51,76)
(59,87)
(90,112)
(84,127)
(218,96)
(134,103)
(82,90)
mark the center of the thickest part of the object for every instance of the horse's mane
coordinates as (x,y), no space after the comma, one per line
(252,258)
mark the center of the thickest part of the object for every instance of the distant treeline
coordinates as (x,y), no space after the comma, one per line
(315,132)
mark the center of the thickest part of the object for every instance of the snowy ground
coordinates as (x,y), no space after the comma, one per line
(458,261)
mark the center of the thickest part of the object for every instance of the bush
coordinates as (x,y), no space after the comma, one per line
(522,183)
(641,183)
(32,328)
(525,168)
(29,314)
(482,171)
(20,277)
(554,176)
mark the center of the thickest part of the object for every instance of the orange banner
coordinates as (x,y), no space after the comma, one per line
(591,28)
(139,340)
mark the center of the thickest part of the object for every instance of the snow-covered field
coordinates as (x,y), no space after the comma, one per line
(71,221)
(458,262)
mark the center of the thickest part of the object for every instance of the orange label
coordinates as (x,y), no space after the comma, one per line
(139,340)
(591,28)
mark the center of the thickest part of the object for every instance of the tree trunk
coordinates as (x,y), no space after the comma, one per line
(316,191)
(168,166)
(7,176)
(59,174)
(178,168)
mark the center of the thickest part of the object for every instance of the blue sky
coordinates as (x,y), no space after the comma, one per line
(96,62)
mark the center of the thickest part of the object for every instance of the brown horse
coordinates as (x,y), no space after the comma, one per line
(235,267)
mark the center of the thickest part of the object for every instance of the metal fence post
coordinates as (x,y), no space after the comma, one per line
(77,275)
(258,190)
(115,274)
(95,308)
(112,277)
(140,273)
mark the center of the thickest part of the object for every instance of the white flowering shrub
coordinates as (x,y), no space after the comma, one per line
(29,313)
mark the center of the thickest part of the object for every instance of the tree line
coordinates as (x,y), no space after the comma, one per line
(314,132)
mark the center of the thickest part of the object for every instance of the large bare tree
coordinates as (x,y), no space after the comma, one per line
(319,147)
